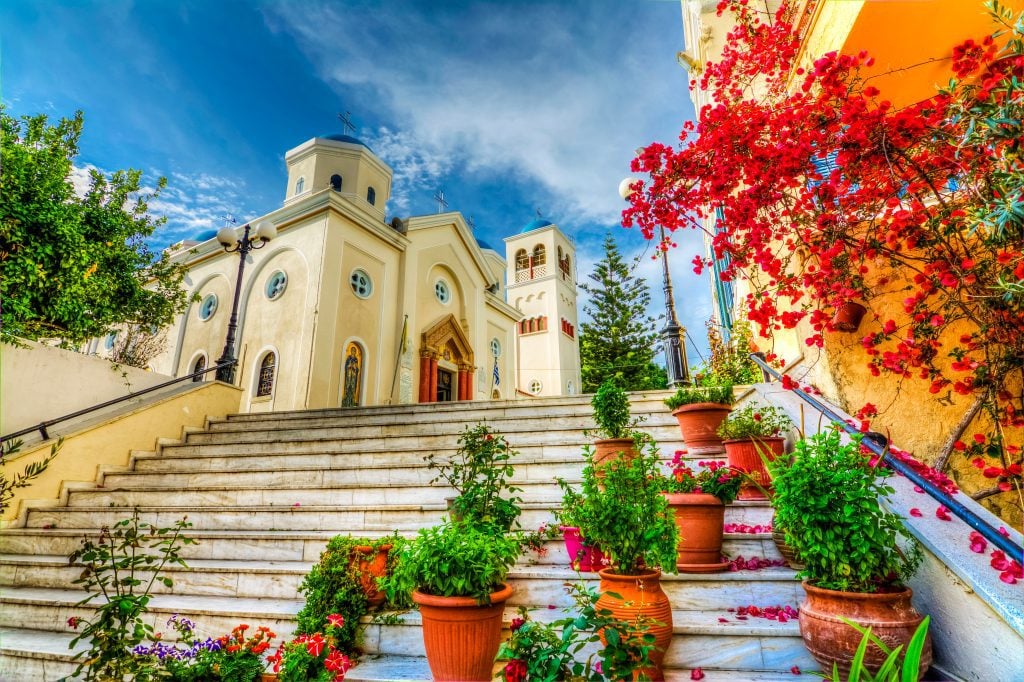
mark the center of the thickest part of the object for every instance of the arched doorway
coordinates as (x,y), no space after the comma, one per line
(446,363)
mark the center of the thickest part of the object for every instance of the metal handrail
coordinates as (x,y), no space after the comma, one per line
(41,427)
(879,445)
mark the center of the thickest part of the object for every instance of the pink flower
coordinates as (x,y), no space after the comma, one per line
(795,670)
(336,619)
(943,513)
(517,623)
(916,512)
(697,674)
(73,622)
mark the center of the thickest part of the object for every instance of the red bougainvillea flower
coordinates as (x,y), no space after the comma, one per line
(795,670)
(942,513)
(978,543)
(697,674)
(916,512)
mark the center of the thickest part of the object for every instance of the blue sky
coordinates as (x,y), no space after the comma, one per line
(511,106)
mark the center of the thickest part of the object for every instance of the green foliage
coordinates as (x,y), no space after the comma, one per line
(480,473)
(826,498)
(22,480)
(755,421)
(611,411)
(111,567)
(548,652)
(729,363)
(713,479)
(333,586)
(75,267)
(892,669)
(723,395)
(457,559)
(619,339)
(625,513)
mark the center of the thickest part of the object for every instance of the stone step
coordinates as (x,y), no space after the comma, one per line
(302,545)
(339,519)
(540,584)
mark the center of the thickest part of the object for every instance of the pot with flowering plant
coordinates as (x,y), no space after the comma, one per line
(697,500)
(584,556)
(699,411)
(751,436)
(313,657)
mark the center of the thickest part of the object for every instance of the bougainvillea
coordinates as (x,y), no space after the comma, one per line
(825,194)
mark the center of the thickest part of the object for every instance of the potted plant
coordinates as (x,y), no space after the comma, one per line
(480,472)
(827,500)
(314,656)
(456,573)
(697,501)
(583,556)
(750,436)
(699,411)
(616,432)
(627,516)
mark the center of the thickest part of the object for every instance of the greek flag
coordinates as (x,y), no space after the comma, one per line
(497,376)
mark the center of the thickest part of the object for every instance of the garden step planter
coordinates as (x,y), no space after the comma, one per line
(746,454)
(699,424)
(699,519)
(629,597)
(582,557)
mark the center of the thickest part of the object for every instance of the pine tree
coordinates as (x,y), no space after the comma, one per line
(619,340)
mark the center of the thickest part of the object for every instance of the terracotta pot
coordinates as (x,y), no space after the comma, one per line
(700,519)
(787,552)
(699,424)
(607,450)
(460,636)
(371,563)
(889,615)
(582,557)
(745,454)
(640,595)
(268,677)
(848,316)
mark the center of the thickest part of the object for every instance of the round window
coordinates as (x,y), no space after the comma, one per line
(361,283)
(495,347)
(441,290)
(208,307)
(276,285)
(536,386)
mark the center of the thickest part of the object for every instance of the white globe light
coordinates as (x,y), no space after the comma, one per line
(626,187)
(265,230)
(227,236)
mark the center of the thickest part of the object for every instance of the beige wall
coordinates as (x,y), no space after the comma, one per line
(40,382)
(110,443)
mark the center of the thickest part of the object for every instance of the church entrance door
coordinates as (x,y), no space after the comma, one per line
(444,342)
(444,386)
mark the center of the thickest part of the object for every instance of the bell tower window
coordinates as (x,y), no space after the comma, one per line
(336,182)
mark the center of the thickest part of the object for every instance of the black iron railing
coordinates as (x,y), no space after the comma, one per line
(879,445)
(42,427)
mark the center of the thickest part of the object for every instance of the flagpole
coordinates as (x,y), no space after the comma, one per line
(398,359)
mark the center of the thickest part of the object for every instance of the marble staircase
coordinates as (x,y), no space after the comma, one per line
(265,492)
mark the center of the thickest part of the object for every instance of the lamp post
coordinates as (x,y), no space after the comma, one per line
(673,335)
(228,238)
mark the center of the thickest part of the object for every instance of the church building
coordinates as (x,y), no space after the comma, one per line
(342,308)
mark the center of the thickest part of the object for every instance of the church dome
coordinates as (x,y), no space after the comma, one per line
(339,137)
(534,224)
(483,245)
(203,236)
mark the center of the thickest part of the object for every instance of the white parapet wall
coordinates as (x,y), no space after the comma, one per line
(40,382)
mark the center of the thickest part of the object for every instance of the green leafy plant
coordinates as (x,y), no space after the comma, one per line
(893,669)
(714,478)
(625,513)
(480,472)
(333,587)
(755,421)
(611,412)
(456,559)
(551,652)
(722,395)
(826,498)
(23,479)
(314,657)
(729,363)
(111,565)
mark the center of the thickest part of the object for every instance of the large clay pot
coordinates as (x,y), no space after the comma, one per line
(848,316)
(371,563)
(607,450)
(460,636)
(640,595)
(829,640)
(745,454)
(700,519)
(787,552)
(699,424)
(582,557)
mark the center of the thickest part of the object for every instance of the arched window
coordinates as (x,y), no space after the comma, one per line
(336,182)
(199,367)
(539,255)
(522,260)
(268,366)
(351,376)
(371,196)
(300,185)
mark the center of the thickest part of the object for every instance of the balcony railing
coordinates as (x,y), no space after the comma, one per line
(536,272)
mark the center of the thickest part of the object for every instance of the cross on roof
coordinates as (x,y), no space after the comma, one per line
(442,203)
(539,214)
(346,122)
(471,222)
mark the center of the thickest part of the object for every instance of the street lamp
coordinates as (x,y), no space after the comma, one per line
(672,336)
(228,238)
